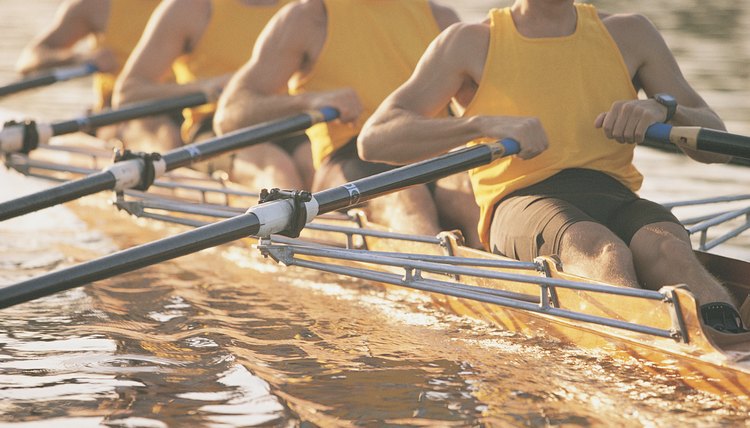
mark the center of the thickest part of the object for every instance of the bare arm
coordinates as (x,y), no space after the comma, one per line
(404,128)
(74,20)
(286,49)
(173,29)
(658,72)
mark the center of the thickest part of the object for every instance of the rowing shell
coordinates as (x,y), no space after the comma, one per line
(534,298)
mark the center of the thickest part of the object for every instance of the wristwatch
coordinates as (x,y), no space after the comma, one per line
(669,102)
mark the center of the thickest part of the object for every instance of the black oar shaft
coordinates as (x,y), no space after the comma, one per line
(724,142)
(130,112)
(57,195)
(264,219)
(30,83)
(184,156)
(420,172)
(130,259)
(48,78)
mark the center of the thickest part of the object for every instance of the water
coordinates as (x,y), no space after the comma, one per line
(202,341)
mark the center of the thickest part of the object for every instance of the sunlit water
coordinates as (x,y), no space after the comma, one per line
(207,341)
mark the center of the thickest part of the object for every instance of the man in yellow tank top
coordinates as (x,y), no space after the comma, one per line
(348,54)
(557,77)
(114,26)
(203,43)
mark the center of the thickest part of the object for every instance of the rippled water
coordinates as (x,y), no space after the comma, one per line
(207,341)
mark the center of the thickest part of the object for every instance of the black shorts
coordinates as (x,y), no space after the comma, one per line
(530,222)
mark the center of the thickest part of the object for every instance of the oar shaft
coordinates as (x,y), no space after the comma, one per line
(263,132)
(66,192)
(420,172)
(261,220)
(130,259)
(54,76)
(698,138)
(130,112)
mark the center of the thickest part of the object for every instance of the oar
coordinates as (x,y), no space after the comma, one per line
(698,138)
(261,221)
(24,137)
(60,74)
(139,172)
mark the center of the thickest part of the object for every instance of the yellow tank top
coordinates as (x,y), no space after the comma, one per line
(226,44)
(564,81)
(372,46)
(125,24)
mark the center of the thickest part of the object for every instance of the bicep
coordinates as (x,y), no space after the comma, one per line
(660,73)
(277,56)
(439,76)
(163,41)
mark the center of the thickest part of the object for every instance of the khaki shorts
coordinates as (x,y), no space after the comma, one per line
(530,222)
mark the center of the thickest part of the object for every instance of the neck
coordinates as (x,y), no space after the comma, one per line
(544,18)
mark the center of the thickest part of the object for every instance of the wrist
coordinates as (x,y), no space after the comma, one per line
(669,103)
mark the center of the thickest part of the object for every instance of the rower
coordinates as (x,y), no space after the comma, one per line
(202,43)
(114,26)
(562,79)
(350,55)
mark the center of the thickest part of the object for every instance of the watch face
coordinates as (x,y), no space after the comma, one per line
(666,99)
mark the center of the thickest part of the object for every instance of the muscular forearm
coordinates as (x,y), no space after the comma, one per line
(132,90)
(401,137)
(241,109)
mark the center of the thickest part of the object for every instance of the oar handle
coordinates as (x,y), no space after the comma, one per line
(698,138)
(261,220)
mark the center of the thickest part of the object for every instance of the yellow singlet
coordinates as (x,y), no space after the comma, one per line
(564,81)
(226,44)
(125,24)
(371,46)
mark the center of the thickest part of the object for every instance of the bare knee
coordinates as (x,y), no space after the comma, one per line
(593,242)
(591,250)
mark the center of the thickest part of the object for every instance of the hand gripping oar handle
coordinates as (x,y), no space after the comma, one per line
(43,79)
(130,173)
(698,138)
(16,137)
(261,220)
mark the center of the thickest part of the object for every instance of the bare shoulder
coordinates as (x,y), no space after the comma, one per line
(303,12)
(185,19)
(444,16)
(298,23)
(464,39)
(183,12)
